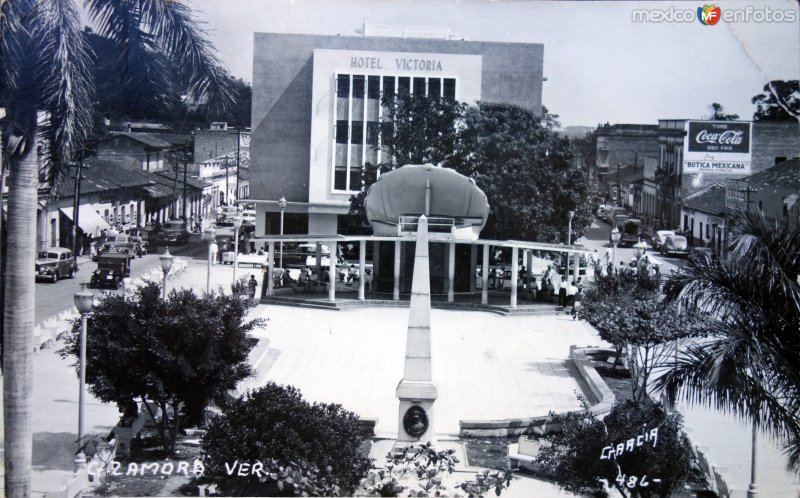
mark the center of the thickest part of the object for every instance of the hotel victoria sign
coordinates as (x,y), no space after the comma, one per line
(396,63)
(717,147)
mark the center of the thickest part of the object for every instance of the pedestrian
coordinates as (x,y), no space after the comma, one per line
(223,251)
(562,292)
(214,251)
(577,305)
(303,279)
(368,279)
(251,286)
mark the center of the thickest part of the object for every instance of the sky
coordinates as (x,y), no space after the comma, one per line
(600,65)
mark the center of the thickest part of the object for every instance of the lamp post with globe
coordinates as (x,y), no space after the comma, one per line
(237,224)
(84,300)
(166,264)
(570,215)
(282,204)
(210,235)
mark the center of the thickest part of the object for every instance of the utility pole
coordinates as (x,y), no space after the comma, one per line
(185,166)
(238,154)
(76,204)
(227,188)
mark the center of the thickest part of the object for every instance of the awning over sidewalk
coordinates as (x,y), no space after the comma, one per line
(88,219)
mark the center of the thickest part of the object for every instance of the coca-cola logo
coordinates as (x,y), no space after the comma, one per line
(729,137)
(718,137)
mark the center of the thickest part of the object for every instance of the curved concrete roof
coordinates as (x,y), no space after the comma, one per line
(402,192)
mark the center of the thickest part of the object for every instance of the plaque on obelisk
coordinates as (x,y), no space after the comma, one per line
(416,390)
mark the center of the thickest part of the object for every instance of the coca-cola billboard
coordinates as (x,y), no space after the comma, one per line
(717,147)
(719,136)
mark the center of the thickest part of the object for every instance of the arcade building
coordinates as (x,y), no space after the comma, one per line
(317,112)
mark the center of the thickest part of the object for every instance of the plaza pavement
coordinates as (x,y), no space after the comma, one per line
(485,366)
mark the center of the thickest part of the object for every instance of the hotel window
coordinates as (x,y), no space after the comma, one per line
(435,87)
(388,85)
(343,86)
(340,178)
(357,136)
(403,84)
(419,86)
(373,87)
(341,132)
(358,87)
(449,88)
(355,178)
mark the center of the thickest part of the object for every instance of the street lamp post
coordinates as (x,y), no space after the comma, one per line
(210,235)
(570,215)
(282,204)
(752,488)
(237,224)
(615,236)
(166,264)
(84,300)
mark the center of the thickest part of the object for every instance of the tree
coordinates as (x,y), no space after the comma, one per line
(45,66)
(526,171)
(628,312)
(585,147)
(749,364)
(718,113)
(655,458)
(323,442)
(179,353)
(779,101)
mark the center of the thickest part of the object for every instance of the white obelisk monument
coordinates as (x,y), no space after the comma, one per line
(416,390)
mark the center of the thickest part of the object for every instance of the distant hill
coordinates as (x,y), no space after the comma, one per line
(575,131)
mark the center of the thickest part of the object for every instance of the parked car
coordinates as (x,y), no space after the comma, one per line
(601,210)
(173,232)
(675,244)
(111,269)
(54,263)
(660,236)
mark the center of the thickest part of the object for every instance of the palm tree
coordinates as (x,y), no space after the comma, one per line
(749,363)
(46,85)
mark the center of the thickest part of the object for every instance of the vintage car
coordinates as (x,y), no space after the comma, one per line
(613,211)
(54,263)
(630,231)
(173,232)
(675,244)
(111,269)
(601,210)
(660,236)
(121,244)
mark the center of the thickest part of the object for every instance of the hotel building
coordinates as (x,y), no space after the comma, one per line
(317,111)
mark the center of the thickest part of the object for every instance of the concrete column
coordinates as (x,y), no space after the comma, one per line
(514,275)
(525,255)
(332,273)
(376,258)
(271,269)
(473,263)
(485,276)
(451,271)
(576,263)
(362,267)
(318,256)
(397,253)
(529,265)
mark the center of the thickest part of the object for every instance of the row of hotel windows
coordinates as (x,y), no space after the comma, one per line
(358,114)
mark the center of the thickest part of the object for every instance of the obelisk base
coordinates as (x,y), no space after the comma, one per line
(416,411)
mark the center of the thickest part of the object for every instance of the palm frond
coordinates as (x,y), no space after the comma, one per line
(64,73)
(12,26)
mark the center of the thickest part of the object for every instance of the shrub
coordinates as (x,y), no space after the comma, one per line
(321,443)
(653,468)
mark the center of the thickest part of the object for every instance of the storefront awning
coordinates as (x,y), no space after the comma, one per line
(88,219)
